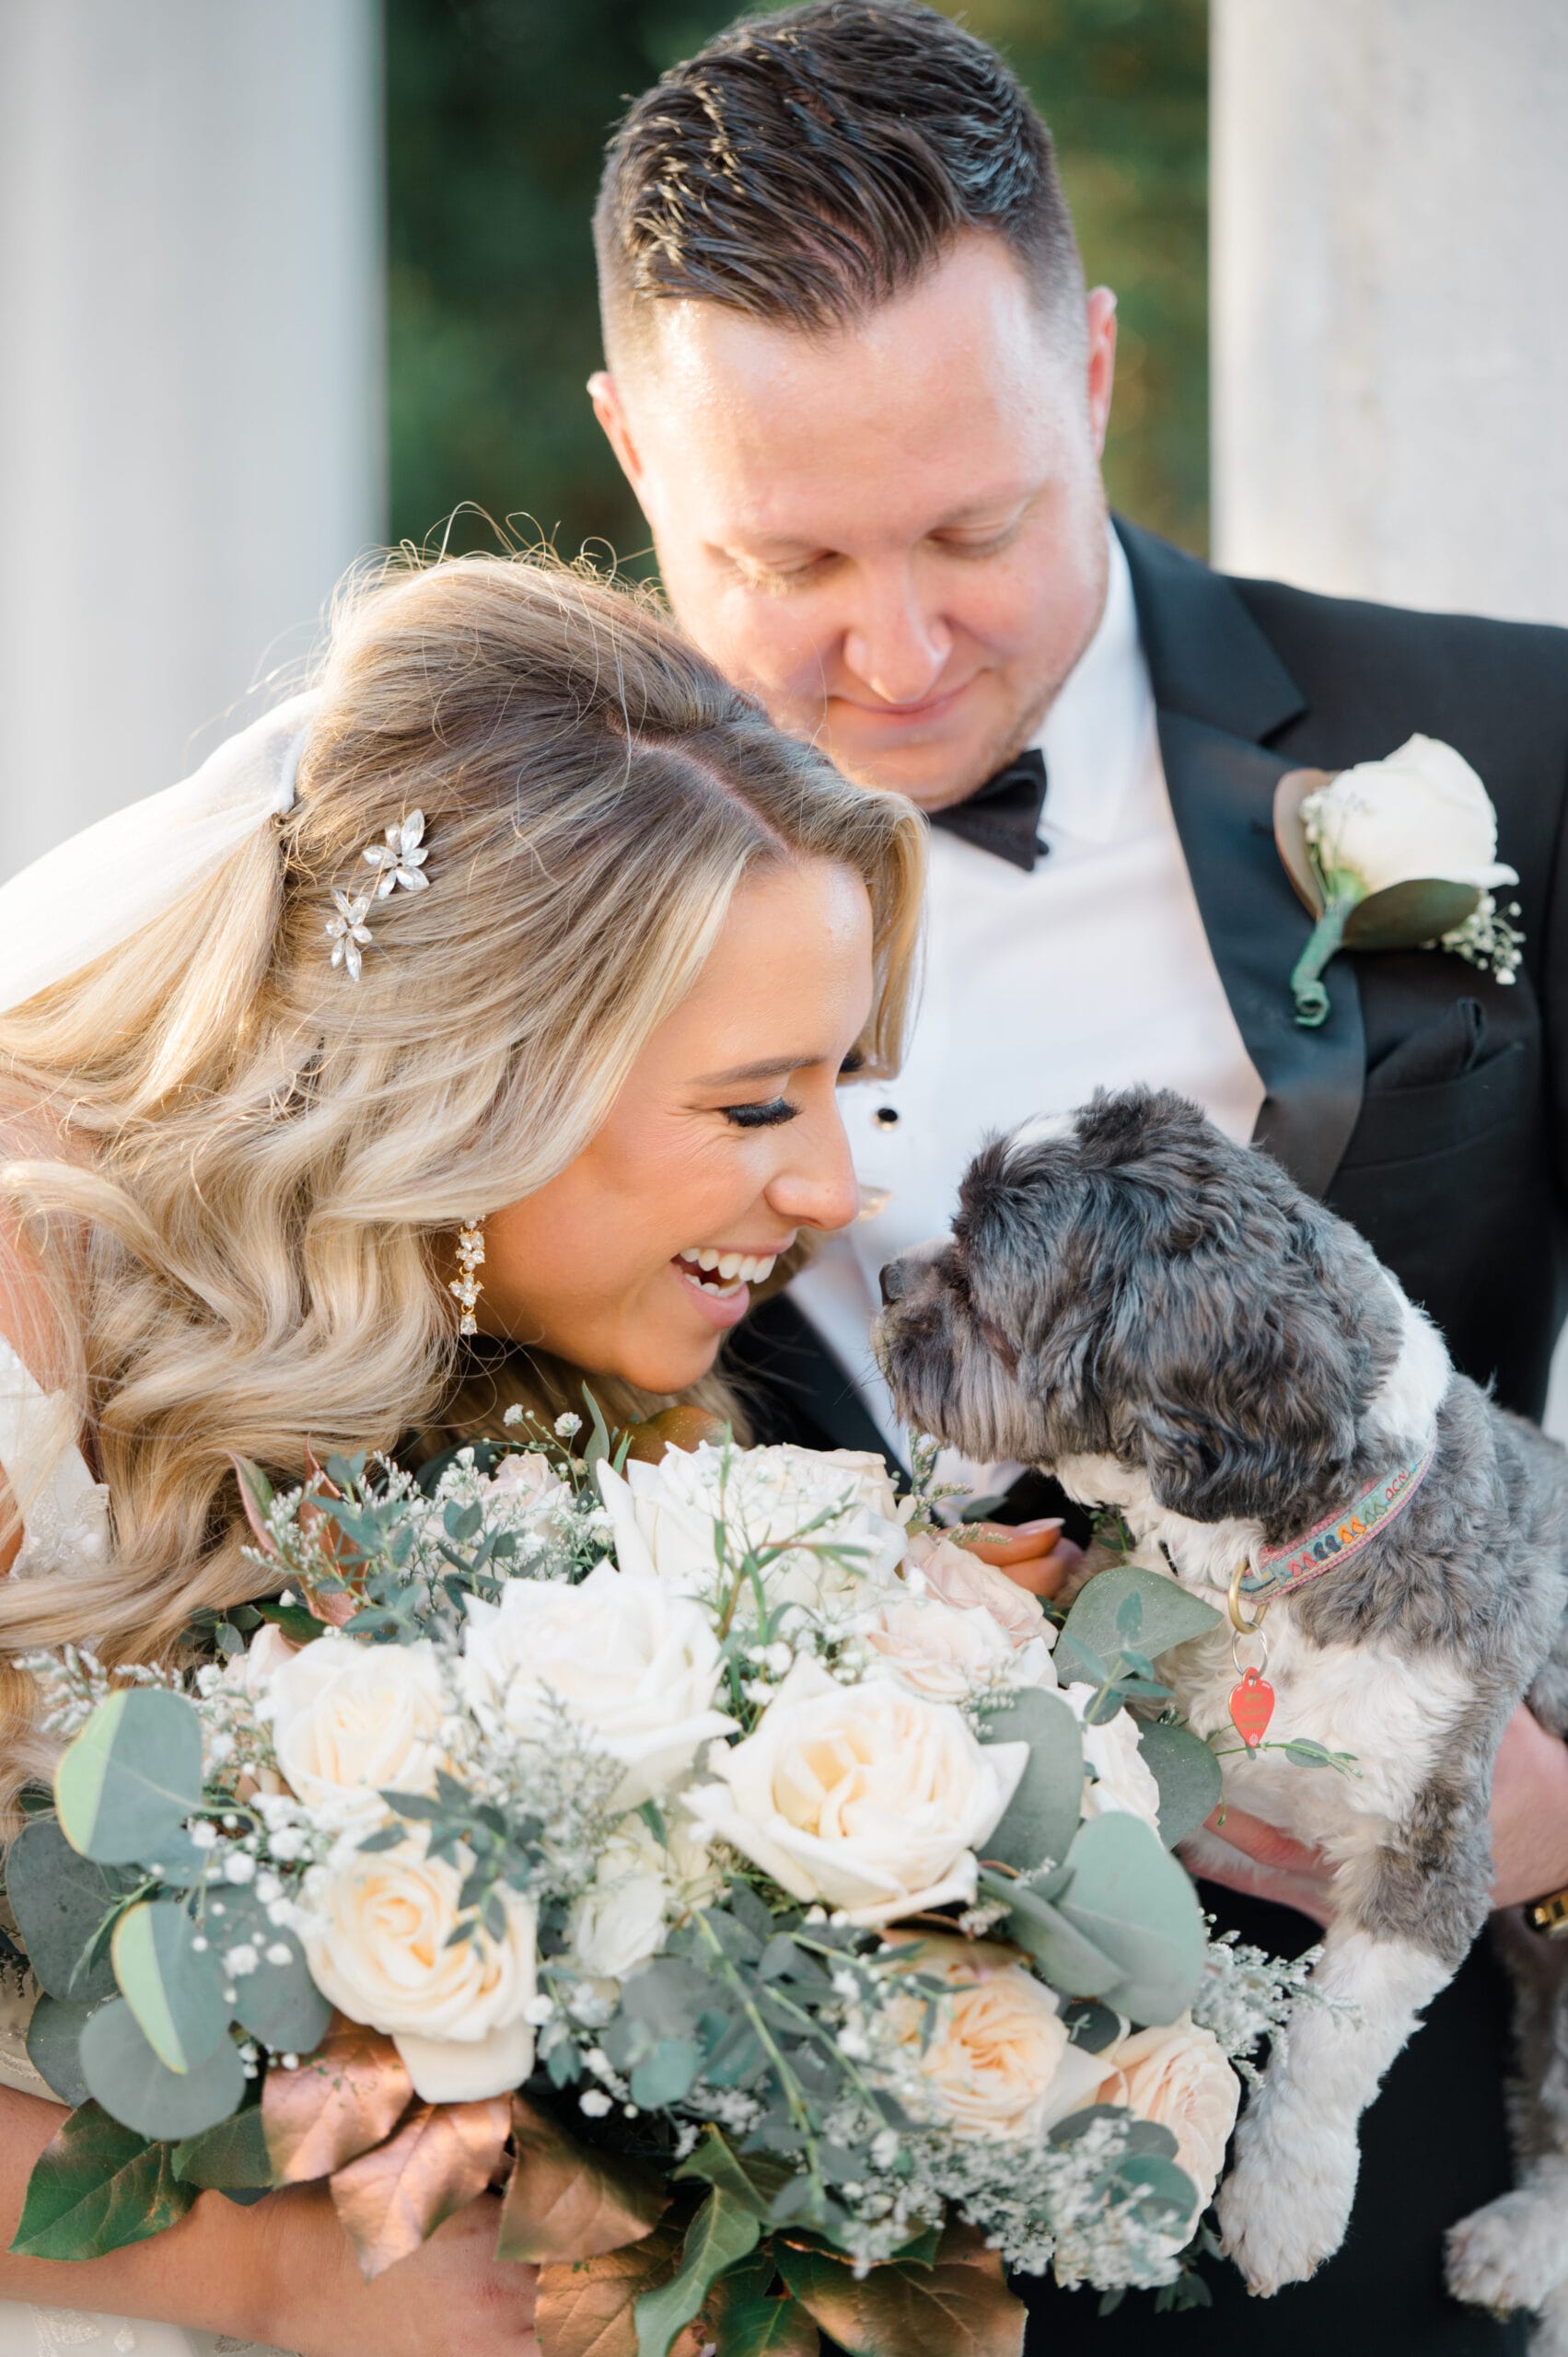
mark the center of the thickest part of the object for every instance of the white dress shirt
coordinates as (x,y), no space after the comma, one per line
(1092,971)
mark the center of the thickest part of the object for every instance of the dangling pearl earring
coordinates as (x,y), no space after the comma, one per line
(466,1286)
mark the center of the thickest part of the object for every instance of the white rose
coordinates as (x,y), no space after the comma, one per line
(867,1797)
(350,1721)
(1122,1779)
(1179,2078)
(526,1477)
(641,1886)
(953,1576)
(992,2052)
(950,1653)
(253,1670)
(381,1950)
(634,1666)
(1422,812)
(667,1520)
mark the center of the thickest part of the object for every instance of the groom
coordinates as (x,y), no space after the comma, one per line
(857,384)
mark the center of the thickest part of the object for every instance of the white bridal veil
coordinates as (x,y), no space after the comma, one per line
(94,891)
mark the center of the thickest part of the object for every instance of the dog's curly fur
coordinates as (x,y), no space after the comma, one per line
(1164,1321)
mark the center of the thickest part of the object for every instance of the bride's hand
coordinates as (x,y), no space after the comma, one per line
(449,2298)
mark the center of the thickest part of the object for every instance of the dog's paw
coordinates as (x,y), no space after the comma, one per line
(1285,2206)
(1512,2253)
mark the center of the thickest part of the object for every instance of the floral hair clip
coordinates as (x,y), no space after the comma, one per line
(400,864)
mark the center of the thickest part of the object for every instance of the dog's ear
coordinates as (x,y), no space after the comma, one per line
(1245,1377)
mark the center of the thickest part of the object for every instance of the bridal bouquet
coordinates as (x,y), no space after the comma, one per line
(703,1849)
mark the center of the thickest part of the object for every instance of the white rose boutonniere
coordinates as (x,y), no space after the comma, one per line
(1400,853)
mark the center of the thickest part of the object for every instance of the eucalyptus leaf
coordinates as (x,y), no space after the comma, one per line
(1167,1614)
(132,2084)
(124,1786)
(1187,1773)
(722,2232)
(666,2073)
(1131,1899)
(54,2035)
(1069,1959)
(1042,1816)
(172,1987)
(278,2003)
(61,1901)
(96,2188)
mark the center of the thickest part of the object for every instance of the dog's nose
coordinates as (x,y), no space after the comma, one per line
(892,1281)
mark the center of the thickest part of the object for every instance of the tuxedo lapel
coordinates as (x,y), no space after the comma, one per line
(1220,690)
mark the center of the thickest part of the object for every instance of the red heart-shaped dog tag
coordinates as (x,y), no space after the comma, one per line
(1252,1708)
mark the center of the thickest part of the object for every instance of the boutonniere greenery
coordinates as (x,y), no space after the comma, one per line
(1400,853)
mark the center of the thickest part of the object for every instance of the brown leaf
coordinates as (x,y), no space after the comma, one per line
(589,2310)
(684,1428)
(566,2202)
(333,1546)
(344,2098)
(961,2306)
(392,2196)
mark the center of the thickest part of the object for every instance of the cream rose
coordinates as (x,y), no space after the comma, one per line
(953,1576)
(667,1517)
(381,1950)
(640,1888)
(995,2060)
(1422,812)
(867,1797)
(350,1721)
(1178,2077)
(635,1666)
(1120,1777)
(948,1652)
(527,1477)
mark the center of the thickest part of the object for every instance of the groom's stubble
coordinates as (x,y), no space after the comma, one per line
(891,532)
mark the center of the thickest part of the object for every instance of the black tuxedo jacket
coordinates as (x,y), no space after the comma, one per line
(1430,1110)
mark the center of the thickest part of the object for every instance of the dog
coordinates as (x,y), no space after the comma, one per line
(1167,1323)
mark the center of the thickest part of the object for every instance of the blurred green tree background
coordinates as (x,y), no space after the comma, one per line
(497,115)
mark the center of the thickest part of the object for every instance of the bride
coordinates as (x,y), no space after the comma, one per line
(499,984)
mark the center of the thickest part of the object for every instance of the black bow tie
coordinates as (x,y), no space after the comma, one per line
(1003,816)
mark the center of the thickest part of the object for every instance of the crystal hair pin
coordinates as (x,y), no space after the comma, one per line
(400,866)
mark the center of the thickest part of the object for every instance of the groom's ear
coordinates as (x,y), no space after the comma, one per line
(611,412)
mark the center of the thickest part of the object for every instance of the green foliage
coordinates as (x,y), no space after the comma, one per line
(1132,1900)
(1042,1816)
(1187,1773)
(63,1902)
(96,2188)
(722,2232)
(1129,1609)
(497,115)
(53,2039)
(231,2157)
(173,1988)
(124,1786)
(129,2079)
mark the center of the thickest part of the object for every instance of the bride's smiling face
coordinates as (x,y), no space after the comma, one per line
(726,1141)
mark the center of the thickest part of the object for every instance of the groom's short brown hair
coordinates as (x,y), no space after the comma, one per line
(806,166)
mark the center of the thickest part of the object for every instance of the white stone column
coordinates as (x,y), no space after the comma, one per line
(1390,299)
(192,437)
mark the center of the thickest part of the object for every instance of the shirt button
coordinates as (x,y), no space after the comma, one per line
(886,1117)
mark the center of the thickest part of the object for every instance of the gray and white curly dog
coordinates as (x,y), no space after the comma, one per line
(1166,1322)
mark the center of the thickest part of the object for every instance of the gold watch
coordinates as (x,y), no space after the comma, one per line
(1549,1915)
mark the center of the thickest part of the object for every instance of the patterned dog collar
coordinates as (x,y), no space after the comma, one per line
(1279,1571)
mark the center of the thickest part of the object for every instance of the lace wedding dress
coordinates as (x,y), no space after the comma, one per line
(66,1526)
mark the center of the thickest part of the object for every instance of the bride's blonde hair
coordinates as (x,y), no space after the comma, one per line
(258,1156)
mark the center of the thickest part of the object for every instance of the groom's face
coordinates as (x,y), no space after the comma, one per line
(892,535)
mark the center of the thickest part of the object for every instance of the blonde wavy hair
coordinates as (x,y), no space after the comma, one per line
(253,1160)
